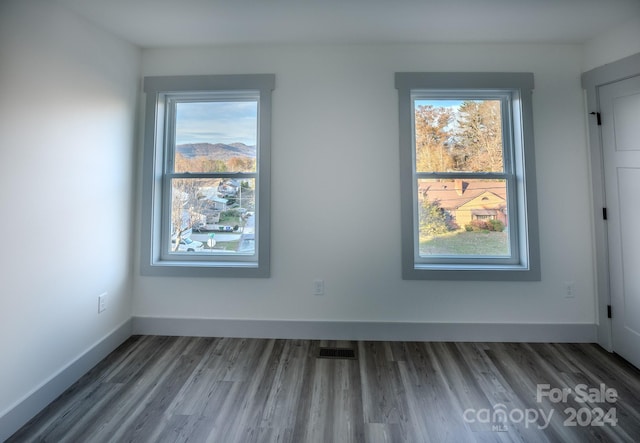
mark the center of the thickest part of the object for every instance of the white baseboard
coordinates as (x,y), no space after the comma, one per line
(39,398)
(383,331)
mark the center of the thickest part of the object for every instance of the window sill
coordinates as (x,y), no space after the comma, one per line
(471,273)
(173,268)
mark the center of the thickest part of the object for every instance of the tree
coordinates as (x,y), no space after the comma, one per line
(185,164)
(208,165)
(185,205)
(435,220)
(242,164)
(180,222)
(478,136)
(198,164)
(432,138)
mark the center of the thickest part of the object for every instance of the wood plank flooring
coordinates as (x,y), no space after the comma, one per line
(185,389)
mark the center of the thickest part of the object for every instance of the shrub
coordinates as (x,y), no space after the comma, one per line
(476,225)
(485,226)
(231,213)
(496,225)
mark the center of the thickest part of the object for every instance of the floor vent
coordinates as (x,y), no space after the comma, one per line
(344,353)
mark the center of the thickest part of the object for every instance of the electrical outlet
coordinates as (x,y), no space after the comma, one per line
(102,302)
(569,289)
(318,287)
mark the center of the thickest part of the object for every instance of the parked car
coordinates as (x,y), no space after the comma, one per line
(188,245)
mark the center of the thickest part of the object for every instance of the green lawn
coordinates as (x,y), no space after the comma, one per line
(229,220)
(227,245)
(467,243)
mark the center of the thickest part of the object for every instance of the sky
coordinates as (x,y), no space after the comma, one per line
(440,103)
(217,122)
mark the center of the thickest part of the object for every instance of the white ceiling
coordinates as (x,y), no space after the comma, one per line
(160,23)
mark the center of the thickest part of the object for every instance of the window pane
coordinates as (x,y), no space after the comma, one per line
(213,216)
(458,135)
(216,136)
(463,218)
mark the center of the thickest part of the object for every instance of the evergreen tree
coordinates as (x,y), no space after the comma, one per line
(435,220)
(478,135)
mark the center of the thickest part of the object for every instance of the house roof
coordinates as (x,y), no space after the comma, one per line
(211,193)
(452,194)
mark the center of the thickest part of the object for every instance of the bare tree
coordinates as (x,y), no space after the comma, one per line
(432,138)
(186,205)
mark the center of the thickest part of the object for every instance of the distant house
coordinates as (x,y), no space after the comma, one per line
(228,188)
(212,200)
(468,200)
(213,217)
(219,204)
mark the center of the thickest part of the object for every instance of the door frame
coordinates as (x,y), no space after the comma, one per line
(591,82)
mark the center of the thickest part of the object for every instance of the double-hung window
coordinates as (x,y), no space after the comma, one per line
(206,186)
(468,197)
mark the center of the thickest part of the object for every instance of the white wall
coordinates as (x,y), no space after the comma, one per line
(67,126)
(336,190)
(617,43)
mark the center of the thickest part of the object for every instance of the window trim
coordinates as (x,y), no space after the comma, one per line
(172,100)
(159,90)
(508,174)
(520,85)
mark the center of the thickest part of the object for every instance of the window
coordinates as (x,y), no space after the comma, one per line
(206,186)
(468,196)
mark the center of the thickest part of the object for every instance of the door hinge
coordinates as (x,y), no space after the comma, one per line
(598,118)
(608,311)
(604,213)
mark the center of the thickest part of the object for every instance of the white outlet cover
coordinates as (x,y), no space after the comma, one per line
(102,302)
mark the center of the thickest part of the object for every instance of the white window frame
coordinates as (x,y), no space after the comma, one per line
(514,90)
(162,94)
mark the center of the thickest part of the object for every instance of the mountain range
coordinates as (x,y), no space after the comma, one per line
(218,151)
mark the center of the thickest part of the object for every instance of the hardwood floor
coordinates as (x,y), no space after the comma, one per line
(179,389)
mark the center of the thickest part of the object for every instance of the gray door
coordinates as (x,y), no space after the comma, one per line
(620,109)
